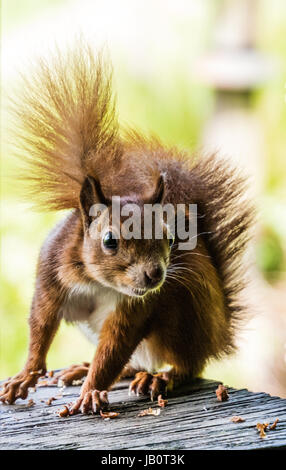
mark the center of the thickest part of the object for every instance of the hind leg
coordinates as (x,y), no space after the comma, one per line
(74,372)
(157,384)
(145,384)
(128,372)
(79,371)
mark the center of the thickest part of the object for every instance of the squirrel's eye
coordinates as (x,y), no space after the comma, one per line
(171,241)
(109,241)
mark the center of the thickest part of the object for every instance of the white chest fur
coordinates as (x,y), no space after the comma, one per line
(105,305)
(89,306)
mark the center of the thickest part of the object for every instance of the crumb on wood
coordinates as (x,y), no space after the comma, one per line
(221,393)
(50,400)
(108,414)
(150,412)
(237,419)
(262,428)
(161,402)
(273,426)
(43,383)
(64,412)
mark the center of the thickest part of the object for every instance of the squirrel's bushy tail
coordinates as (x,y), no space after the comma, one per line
(228,220)
(66,121)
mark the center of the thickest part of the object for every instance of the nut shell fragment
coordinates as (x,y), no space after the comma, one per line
(64,412)
(273,426)
(262,428)
(149,412)
(221,393)
(108,414)
(237,419)
(50,400)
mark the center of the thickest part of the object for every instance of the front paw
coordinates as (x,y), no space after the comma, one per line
(92,401)
(18,386)
(145,383)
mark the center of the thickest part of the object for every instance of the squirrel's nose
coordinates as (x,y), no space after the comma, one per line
(153,276)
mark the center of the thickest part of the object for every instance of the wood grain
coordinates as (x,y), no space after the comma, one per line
(192,419)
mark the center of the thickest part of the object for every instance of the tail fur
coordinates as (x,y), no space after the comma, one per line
(65,120)
(228,219)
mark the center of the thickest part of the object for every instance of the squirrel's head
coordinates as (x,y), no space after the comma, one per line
(126,244)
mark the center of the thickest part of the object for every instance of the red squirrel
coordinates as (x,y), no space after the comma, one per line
(153,310)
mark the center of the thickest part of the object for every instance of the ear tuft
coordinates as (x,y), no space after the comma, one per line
(90,194)
(158,195)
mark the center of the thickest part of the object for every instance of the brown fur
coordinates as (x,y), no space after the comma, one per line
(77,157)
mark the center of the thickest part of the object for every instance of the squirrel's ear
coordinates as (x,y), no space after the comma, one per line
(90,194)
(158,195)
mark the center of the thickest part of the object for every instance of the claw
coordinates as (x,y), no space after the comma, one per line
(131,390)
(18,386)
(146,383)
(91,401)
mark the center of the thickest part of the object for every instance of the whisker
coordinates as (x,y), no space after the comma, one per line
(180,280)
(190,253)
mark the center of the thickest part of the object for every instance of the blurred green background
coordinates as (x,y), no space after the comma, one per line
(173,75)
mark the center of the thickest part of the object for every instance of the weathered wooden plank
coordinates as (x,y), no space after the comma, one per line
(193,419)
